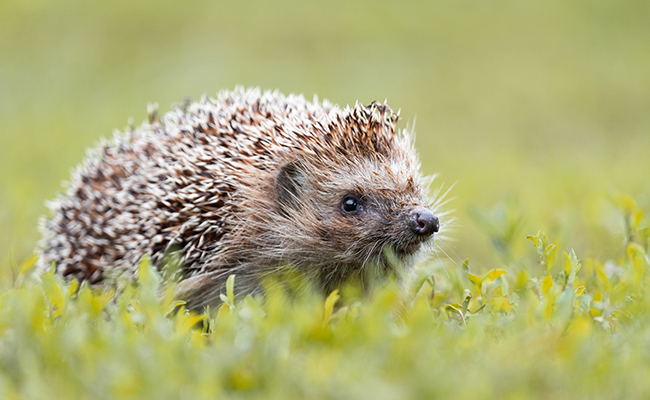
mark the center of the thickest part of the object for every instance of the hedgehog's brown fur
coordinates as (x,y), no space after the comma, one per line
(242,184)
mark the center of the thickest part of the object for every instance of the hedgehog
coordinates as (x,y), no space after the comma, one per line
(246,183)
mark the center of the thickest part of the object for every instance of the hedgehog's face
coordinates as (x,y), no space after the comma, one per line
(376,220)
(358,211)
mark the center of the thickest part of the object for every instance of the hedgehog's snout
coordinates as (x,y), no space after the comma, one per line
(424,222)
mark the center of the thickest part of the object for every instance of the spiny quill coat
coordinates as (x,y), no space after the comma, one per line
(245,184)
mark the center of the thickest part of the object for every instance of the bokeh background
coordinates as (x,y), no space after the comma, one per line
(538,111)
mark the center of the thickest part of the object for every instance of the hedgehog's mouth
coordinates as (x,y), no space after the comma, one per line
(409,248)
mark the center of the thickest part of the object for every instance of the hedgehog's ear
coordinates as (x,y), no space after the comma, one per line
(290,183)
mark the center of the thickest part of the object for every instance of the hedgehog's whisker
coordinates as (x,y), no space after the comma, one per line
(460,260)
(442,263)
(440,203)
(369,255)
(438,198)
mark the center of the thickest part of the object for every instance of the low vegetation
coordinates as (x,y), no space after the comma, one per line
(558,325)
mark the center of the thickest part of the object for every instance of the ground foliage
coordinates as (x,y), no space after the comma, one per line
(560,325)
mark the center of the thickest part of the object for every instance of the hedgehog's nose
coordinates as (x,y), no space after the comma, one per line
(424,222)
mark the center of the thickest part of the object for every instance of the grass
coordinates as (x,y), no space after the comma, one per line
(553,326)
(536,110)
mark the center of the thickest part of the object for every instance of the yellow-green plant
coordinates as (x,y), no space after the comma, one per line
(554,326)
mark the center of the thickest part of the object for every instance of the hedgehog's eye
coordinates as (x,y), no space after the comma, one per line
(351,204)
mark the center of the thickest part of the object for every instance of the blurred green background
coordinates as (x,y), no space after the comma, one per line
(541,107)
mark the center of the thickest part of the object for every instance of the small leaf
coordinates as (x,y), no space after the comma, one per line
(137,306)
(174,305)
(74,285)
(148,275)
(466,303)
(28,264)
(53,293)
(549,248)
(566,263)
(501,304)
(419,283)
(475,280)
(624,202)
(230,290)
(224,310)
(186,321)
(329,305)
(575,266)
(144,274)
(99,301)
(493,275)
(637,217)
(547,284)
(457,308)
(637,257)
(564,308)
(603,279)
(551,256)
